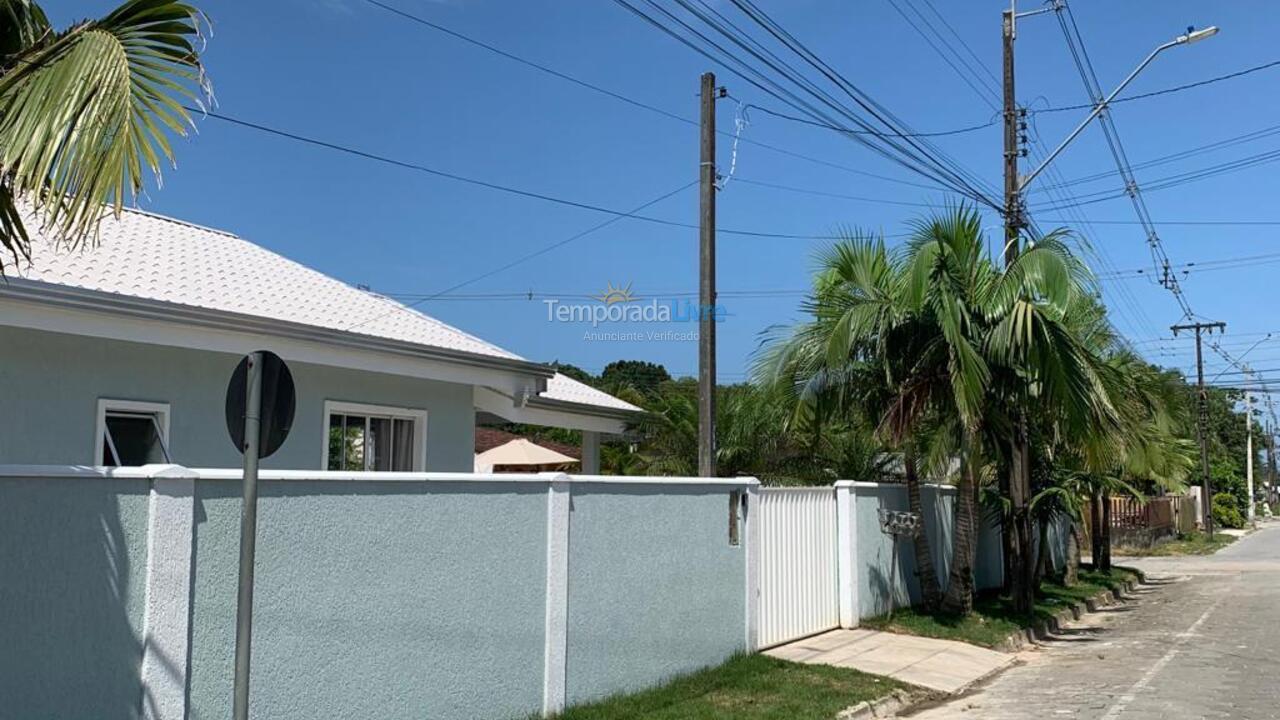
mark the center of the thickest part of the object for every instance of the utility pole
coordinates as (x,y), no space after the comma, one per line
(1202,418)
(1017,486)
(707,281)
(1248,424)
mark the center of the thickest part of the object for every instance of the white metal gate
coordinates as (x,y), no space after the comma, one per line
(798,573)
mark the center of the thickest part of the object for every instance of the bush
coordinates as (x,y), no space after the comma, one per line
(1226,513)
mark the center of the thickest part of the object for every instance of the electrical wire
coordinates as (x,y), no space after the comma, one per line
(1080,56)
(407,165)
(778,78)
(419,20)
(1166,91)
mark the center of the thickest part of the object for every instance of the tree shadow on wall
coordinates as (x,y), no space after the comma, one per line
(70,597)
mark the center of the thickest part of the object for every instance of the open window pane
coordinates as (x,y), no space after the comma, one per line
(135,438)
(354,443)
(380,442)
(335,442)
(403,446)
(369,437)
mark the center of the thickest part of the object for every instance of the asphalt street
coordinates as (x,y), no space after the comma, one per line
(1202,640)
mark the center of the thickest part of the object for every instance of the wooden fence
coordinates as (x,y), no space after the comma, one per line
(1142,522)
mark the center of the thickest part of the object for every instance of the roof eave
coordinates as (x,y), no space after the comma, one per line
(74,298)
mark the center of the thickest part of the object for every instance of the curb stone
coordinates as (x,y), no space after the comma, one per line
(900,700)
(885,707)
(1042,630)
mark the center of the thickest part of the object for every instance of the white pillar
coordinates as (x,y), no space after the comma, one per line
(846,553)
(166,615)
(590,463)
(556,656)
(751,542)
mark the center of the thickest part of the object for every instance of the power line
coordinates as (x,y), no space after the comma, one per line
(779,79)
(406,165)
(1180,155)
(1080,56)
(1183,178)
(397,308)
(624,98)
(1178,222)
(1166,91)
(846,131)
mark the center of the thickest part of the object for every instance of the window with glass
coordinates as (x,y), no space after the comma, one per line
(132,434)
(375,438)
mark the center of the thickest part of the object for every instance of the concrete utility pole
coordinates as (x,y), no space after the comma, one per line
(1202,420)
(707,281)
(1248,424)
(1017,486)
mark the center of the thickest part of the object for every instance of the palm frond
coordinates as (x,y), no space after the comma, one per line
(85,118)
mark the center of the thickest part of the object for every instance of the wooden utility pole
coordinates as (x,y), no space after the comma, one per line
(1202,418)
(1017,485)
(707,282)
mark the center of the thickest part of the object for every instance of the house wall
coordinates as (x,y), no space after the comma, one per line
(375,599)
(422,596)
(656,590)
(72,584)
(52,383)
(879,578)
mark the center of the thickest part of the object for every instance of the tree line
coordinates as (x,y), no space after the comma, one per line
(918,364)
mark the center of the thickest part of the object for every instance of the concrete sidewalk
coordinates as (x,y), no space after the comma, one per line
(943,665)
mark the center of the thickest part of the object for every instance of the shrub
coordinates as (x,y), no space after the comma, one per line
(1226,513)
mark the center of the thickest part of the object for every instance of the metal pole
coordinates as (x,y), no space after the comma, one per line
(707,283)
(248,534)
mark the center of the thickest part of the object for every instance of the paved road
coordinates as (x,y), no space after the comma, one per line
(1203,641)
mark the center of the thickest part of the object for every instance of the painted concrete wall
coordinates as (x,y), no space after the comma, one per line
(882,576)
(72,582)
(655,588)
(53,382)
(386,600)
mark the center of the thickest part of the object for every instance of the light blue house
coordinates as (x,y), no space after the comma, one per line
(119,354)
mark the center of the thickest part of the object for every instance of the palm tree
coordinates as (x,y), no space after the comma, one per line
(936,337)
(85,112)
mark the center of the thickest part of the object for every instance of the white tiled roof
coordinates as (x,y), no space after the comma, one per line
(156,258)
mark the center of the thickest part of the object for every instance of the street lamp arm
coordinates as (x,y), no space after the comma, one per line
(1097,110)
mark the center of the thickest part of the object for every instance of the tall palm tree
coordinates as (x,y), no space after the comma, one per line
(85,112)
(936,336)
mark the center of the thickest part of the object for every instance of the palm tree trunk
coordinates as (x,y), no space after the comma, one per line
(1020,545)
(1095,529)
(930,591)
(958,599)
(1075,543)
(1105,563)
(1042,556)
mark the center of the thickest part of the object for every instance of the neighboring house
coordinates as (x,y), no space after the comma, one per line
(119,354)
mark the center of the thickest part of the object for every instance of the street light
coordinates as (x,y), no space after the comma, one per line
(1197,35)
(1192,36)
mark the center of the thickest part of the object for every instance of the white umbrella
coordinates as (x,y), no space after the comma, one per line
(520,452)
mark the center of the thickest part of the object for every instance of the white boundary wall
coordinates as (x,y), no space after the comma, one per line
(167,615)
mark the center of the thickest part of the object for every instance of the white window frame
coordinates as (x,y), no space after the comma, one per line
(417,415)
(106,405)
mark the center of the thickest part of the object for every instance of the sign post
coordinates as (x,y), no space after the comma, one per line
(260,406)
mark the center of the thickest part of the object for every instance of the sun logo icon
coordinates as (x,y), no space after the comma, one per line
(613,295)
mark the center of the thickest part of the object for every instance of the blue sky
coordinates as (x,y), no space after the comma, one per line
(347,72)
